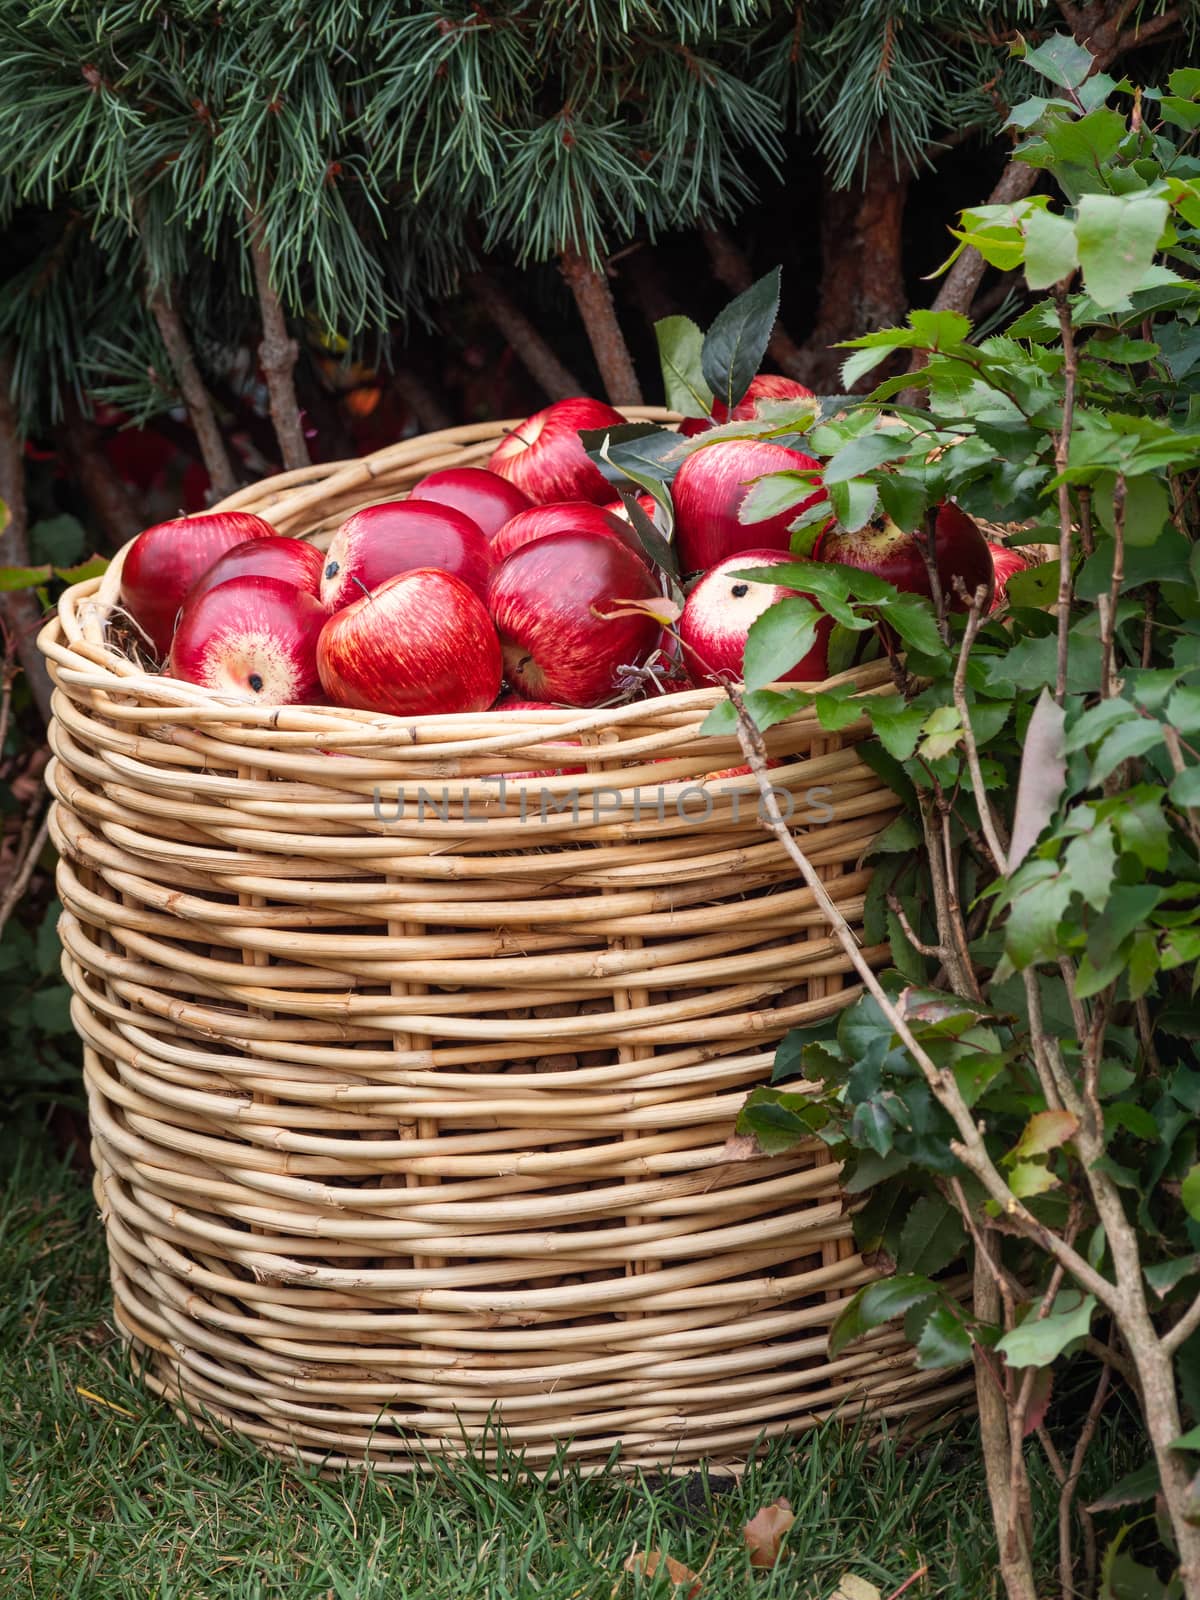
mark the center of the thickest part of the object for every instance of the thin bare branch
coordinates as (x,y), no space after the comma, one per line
(992,829)
(1061,454)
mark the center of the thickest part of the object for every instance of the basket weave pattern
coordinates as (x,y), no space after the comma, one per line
(407,1125)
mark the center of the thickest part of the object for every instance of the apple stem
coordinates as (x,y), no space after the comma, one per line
(355,579)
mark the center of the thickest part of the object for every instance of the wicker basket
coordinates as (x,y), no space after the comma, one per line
(409,1127)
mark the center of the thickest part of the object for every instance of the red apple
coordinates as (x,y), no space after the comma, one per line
(720,610)
(766,386)
(711,485)
(887,552)
(487,498)
(647,502)
(254,637)
(1007,561)
(513,702)
(398,536)
(164,562)
(292,560)
(551,600)
(421,642)
(564,516)
(545,457)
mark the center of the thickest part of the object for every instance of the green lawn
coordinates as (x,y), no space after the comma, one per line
(104,1495)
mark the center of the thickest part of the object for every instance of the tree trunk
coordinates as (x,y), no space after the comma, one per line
(277,355)
(535,355)
(862,271)
(733,272)
(594,299)
(195,396)
(78,441)
(19,611)
(421,400)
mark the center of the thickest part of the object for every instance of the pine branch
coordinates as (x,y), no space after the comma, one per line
(195,396)
(277,353)
(19,610)
(594,299)
(534,354)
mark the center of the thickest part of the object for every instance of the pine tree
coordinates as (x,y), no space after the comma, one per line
(179,178)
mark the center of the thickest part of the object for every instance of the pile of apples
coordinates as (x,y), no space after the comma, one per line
(524,583)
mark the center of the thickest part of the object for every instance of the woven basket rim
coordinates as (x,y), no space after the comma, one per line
(75,638)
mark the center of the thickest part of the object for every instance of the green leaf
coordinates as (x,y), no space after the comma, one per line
(1051,252)
(1045,1131)
(1118,236)
(932,1237)
(1031,932)
(944,1340)
(1039,1340)
(853,502)
(1190,1193)
(913,618)
(1139,1485)
(736,343)
(1029,1178)
(773,494)
(835,711)
(864,454)
(680,346)
(765,707)
(1127,740)
(1187,1441)
(1058,58)
(897,726)
(1183,710)
(876,1304)
(1185,787)
(12,578)
(1164,1276)
(780,1120)
(777,640)
(1091,862)
(93,567)
(60,540)
(942,731)
(1146,508)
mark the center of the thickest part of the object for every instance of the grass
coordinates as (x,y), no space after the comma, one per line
(105,1495)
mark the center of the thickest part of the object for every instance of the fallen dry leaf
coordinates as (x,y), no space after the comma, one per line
(851,1587)
(765,1530)
(647,1562)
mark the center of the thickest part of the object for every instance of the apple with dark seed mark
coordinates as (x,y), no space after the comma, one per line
(720,611)
(381,542)
(254,637)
